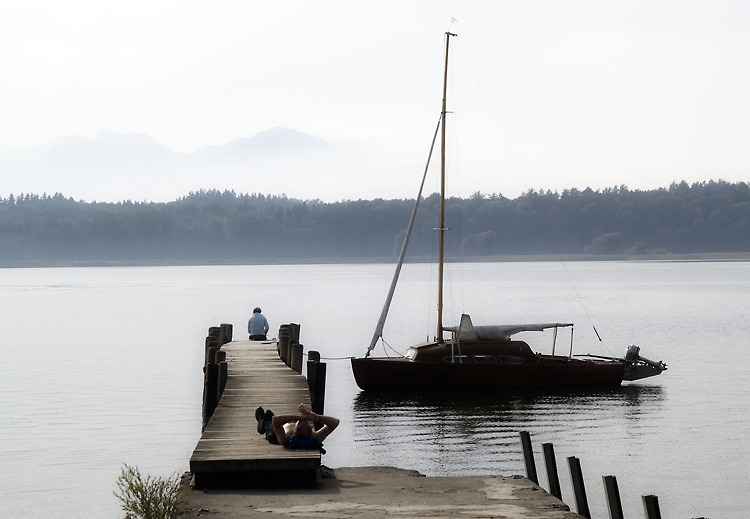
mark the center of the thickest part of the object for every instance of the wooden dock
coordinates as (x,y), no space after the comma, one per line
(231,452)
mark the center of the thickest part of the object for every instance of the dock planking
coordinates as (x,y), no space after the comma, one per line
(230,452)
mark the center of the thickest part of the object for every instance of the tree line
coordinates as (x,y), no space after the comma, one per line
(210,225)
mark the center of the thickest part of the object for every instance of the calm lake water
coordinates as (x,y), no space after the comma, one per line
(102,366)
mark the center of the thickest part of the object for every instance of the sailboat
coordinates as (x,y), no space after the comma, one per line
(484,357)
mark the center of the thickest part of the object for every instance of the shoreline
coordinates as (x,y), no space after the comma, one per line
(704,256)
(375,492)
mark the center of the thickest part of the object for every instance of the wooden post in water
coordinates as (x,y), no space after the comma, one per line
(210,377)
(316,382)
(651,506)
(313,357)
(226,333)
(579,490)
(551,466)
(319,388)
(285,335)
(613,497)
(295,328)
(528,456)
(215,332)
(223,375)
(295,357)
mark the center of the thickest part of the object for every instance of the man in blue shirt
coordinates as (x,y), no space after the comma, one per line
(257,326)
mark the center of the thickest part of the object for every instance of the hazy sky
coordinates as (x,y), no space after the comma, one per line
(584,93)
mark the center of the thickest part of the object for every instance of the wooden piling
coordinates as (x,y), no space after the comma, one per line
(651,507)
(528,456)
(285,336)
(319,392)
(295,329)
(313,357)
(612,494)
(316,382)
(295,356)
(225,333)
(212,348)
(551,466)
(210,391)
(579,490)
(211,374)
(223,375)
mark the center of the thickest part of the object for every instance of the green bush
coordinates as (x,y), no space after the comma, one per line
(149,498)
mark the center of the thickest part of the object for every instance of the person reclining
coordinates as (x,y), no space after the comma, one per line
(295,431)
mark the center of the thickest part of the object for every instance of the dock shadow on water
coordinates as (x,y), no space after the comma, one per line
(443,433)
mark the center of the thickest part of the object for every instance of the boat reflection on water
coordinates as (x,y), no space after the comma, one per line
(444,433)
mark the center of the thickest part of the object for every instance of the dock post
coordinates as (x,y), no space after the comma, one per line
(316,382)
(223,375)
(528,456)
(613,497)
(551,466)
(210,378)
(579,490)
(285,335)
(651,506)
(212,350)
(226,333)
(313,357)
(294,328)
(320,388)
(215,333)
(295,358)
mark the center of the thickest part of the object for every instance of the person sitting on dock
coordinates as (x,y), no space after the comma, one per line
(257,326)
(295,431)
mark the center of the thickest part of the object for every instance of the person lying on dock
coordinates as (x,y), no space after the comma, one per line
(294,431)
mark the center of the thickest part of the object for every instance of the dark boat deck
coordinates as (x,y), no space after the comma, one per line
(230,452)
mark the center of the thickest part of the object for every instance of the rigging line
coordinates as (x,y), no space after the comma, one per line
(333,358)
(494,119)
(385,343)
(523,181)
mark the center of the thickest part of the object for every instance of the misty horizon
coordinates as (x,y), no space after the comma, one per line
(115,167)
(542,95)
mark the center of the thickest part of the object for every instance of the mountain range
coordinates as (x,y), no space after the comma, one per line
(114,167)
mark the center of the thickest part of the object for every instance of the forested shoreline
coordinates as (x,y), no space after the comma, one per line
(211,226)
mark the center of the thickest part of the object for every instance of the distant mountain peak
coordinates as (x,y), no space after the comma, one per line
(278,138)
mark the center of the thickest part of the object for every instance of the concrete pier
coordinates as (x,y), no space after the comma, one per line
(376,492)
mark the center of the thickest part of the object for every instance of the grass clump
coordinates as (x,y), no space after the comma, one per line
(149,498)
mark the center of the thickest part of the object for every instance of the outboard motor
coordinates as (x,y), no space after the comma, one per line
(640,367)
(631,354)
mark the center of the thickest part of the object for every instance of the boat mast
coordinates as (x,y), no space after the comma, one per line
(442,196)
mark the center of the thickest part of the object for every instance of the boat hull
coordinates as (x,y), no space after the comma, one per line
(407,374)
